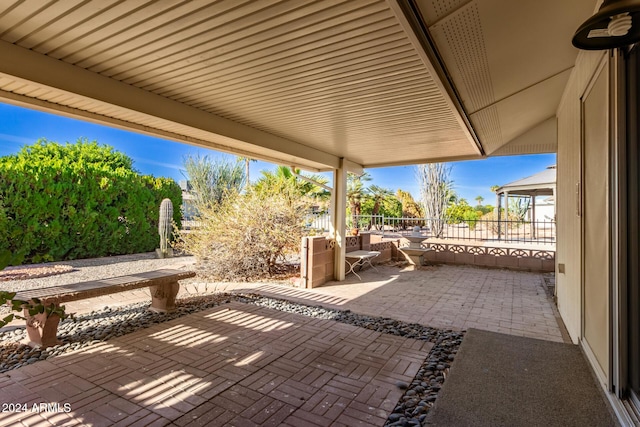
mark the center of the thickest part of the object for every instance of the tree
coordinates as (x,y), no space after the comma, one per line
(212,180)
(284,181)
(246,161)
(379,195)
(410,208)
(435,191)
(461,212)
(479,199)
(356,193)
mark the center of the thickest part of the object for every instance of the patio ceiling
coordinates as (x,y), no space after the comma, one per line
(378,83)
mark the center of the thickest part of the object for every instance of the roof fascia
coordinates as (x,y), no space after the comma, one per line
(408,16)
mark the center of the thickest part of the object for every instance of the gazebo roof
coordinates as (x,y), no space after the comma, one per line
(541,184)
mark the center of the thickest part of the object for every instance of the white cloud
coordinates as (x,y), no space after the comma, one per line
(161,164)
(14,140)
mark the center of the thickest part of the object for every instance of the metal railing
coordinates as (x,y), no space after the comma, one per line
(318,222)
(508,231)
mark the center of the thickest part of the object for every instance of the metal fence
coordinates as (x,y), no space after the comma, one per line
(542,231)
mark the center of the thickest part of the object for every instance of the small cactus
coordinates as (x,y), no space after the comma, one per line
(165,227)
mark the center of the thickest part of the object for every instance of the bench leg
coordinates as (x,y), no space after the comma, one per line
(42,330)
(163,297)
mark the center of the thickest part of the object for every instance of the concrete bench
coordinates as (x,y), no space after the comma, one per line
(42,330)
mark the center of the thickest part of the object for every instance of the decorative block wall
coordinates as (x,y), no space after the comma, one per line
(317,267)
(483,256)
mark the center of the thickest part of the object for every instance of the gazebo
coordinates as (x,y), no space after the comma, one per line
(541,184)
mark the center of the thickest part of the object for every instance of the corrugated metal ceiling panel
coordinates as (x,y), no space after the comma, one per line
(338,76)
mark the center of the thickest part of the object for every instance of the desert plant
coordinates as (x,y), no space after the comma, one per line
(213,179)
(247,236)
(511,221)
(436,193)
(165,218)
(519,207)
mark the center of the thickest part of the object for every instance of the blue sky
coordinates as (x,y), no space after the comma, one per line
(20,126)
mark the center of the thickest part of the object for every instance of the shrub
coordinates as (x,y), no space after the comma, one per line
(246,236)
(471,218)
(4,229)
(461,212)
(79,200)
(212,179)
(492,217)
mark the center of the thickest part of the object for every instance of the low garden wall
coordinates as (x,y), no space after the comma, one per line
(318,251)
(485,256)
(317,260)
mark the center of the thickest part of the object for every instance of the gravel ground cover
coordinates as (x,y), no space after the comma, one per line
(97,268)
(83,270)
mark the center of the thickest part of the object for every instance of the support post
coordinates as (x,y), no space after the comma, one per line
(506,216)
(499,213)
(338,219)
(533,216)
(554,204)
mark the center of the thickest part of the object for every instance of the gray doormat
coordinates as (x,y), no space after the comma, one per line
(504,380)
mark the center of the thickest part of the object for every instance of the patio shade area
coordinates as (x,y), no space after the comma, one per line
(243,364)
(235,364)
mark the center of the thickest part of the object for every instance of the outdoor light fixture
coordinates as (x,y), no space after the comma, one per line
(616,24)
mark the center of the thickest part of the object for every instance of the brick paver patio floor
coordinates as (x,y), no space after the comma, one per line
(442,296)
(236,365)
(243,365)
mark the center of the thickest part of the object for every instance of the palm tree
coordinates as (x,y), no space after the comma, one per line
(246,161)
(282,180)
(355,194)
(379,195)
(479,199)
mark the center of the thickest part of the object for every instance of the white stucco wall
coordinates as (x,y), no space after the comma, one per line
(569,240)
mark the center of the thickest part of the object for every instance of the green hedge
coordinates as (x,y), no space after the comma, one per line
(79,200)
